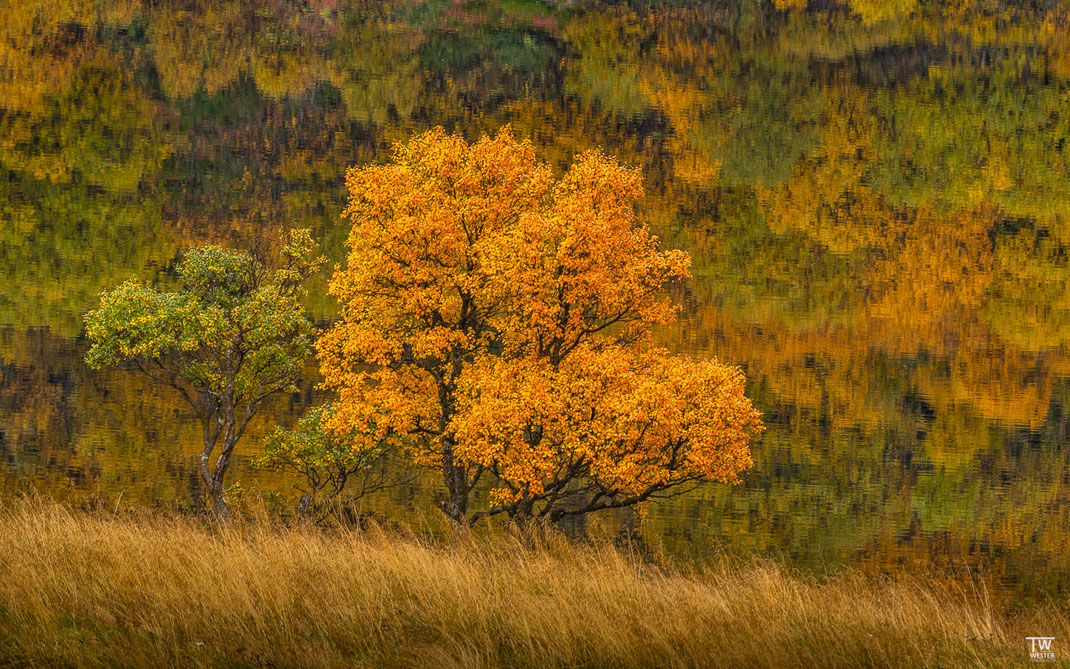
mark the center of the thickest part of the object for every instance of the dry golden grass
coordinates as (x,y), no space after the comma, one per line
(138,589)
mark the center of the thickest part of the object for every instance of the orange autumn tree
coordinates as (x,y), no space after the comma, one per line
(501,319)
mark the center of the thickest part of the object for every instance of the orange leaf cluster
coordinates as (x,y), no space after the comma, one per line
(502,318)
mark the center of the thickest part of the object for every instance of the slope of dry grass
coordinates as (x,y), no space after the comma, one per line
(96,589)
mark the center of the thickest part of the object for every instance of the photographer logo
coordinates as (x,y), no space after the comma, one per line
(1040,648)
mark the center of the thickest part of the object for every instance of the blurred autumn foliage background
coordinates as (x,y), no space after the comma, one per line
(874,194)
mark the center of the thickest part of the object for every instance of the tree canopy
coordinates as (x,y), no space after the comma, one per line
(232,335)
(502,319)
(330,462)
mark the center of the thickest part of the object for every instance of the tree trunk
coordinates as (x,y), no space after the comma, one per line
(222,509)
(211,484)
(524,512)
(224,422)
(213,480)
(219,503)
(455,476)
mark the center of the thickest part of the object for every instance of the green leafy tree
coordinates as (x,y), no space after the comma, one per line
(330,461)
(232,335)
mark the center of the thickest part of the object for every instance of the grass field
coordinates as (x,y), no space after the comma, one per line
(143,589)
